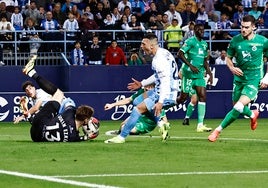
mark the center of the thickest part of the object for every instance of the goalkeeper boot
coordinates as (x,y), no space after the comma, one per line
(253,121)
(203,128)
(163,129)
(115,140)
(30,65)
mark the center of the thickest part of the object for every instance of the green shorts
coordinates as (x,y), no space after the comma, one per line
(249,89)
(187,86)
(147,124)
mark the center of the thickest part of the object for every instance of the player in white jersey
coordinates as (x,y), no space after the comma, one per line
(166,82)
(38,97)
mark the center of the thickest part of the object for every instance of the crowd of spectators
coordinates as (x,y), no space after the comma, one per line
(82,18)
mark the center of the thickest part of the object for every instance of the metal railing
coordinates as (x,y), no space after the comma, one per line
(14,56)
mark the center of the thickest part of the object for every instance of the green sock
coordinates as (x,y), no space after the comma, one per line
(247,111)
(201,108)
(229,118)
(189,111)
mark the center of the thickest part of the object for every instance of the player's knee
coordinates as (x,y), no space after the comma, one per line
(239,107)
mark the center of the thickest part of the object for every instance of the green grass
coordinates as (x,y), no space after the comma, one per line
(187,159)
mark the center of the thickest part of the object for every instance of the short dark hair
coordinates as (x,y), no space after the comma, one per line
(150,36)
(26,84)
(249,18)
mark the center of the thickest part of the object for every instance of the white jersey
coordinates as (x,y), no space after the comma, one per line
(166,75)
(41,95)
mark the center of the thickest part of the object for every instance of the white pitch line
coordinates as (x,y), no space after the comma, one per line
(55,179)
(165,174)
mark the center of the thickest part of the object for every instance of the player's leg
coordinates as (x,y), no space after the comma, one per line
(44,84)
(200,87)
(190,109)
(245,95)
(129,125)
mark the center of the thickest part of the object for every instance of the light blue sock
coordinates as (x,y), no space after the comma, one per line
(131,122)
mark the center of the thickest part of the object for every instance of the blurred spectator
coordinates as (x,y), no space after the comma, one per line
(33,12)
(237,18)
(189,32)
(42,14)
(134,59)
(76,12)
(209,7)
(136,7)
(28,32)
(127,12)
(153,24)
(165,21)
(58,14)
(228,7)
(202,16)
(188,15)
(247,4)
(6,31)
(151,12)
(95,52)
(138,27)
(261,5)
(108,25)
(67,7)
(122,4)
(222,24)
(145,5)
(71,26)
(106,5)
(182,6)
(173,36)
(86,26)
(51,26)
(173,14)
(17,19)
(92,4)
(100,13)
(163,5)
(116,16)
(3,9)
(79,4)
(123,25)
(254,11)
(87,10)
(115,55)
(221,60)
(77,55)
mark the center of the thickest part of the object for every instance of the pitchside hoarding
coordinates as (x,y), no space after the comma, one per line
(97,85)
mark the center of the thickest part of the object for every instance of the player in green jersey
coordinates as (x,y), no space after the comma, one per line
(146,122)
(194,54)
(248,48)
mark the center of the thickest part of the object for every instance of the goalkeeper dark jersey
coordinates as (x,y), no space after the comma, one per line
(50,126)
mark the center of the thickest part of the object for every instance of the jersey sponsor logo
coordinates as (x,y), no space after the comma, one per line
(3,103)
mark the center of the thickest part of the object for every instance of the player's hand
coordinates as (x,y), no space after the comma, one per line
(210,80)
(108,106)
(134,85)
(236,71)
(157,108)
(194,69)
(18,119)
(263,85)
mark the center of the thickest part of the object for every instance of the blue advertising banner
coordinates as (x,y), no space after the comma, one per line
(98,85)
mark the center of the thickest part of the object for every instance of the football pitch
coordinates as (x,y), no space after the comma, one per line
(238,159)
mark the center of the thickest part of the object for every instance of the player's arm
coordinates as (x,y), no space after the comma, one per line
(264,80)
(108,106)
(183,58)
(235,70)
(28,113)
